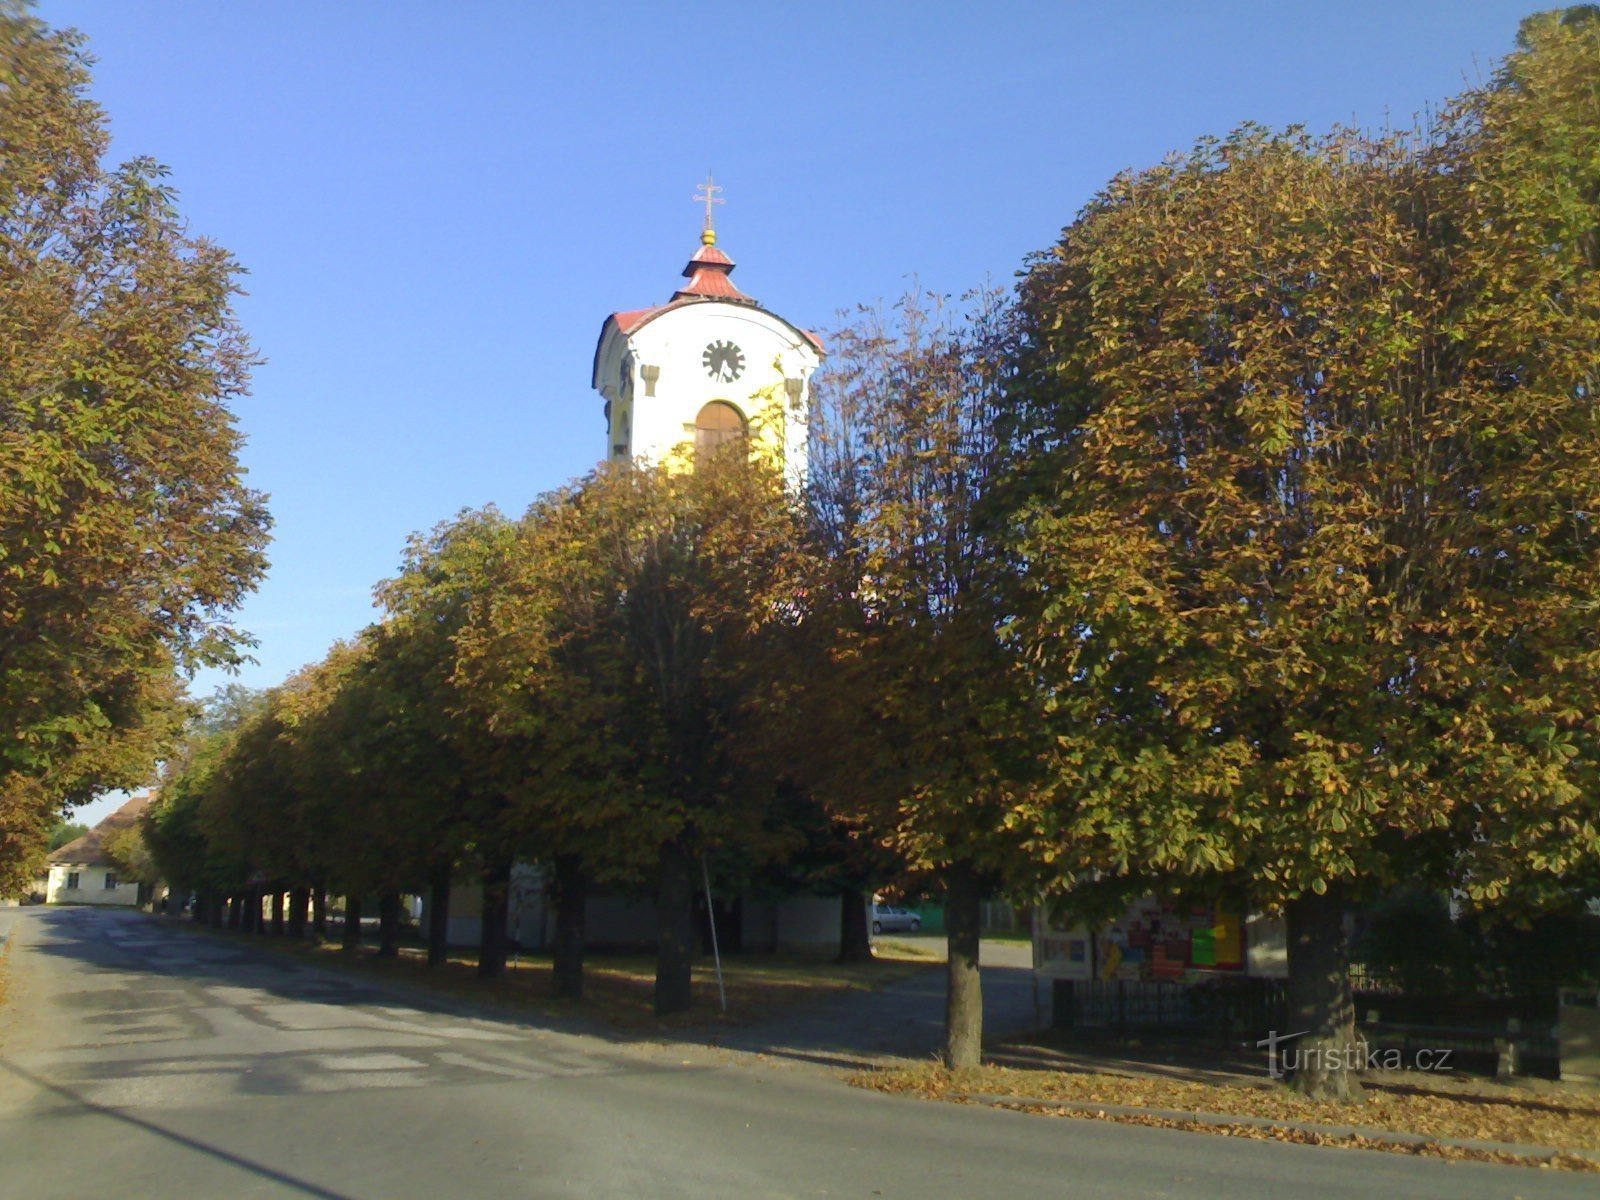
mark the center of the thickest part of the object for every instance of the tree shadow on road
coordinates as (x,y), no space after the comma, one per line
(303,1186)
(845,1030)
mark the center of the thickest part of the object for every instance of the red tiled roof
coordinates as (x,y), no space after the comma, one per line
(635,317)
(709,254)
(627,322)
(708,274)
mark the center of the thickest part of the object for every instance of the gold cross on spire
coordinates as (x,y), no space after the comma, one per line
(707,194)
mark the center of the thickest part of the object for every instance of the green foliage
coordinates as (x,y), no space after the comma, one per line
(131,856)
(912,722)
(430,772)
(617,661)
(126,535)
(171,825)
(1255,548)
(66,831)
(1306,464)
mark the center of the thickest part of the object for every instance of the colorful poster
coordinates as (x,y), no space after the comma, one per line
(1229,940)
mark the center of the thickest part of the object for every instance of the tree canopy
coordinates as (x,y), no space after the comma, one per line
(126,533)
(1307,472)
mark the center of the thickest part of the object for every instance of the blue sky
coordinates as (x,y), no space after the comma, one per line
(439,203)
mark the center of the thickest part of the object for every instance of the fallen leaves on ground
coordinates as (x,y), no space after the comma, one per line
(619,989)
(1566,1122)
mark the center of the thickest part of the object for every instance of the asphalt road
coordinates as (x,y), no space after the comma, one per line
(139,1058)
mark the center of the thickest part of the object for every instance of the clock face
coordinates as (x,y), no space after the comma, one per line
(723,361)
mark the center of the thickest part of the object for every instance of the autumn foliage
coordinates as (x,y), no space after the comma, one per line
(1250,549)
(1307,469)
(126,533)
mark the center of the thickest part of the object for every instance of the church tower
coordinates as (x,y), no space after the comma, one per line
(708,367)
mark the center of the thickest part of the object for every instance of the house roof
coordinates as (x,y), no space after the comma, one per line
(89,850)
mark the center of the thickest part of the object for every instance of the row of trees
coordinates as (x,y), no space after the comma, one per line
(126,534)
(593,686)
(1249,550)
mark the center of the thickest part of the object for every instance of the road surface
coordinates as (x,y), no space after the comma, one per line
(141,1058)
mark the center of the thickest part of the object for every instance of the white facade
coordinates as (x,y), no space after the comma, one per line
(88,883)
(659,369)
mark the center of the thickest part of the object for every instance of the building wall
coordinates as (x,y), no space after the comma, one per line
(808,922)
(527,915)
(1266,947)
(91,887)
(658,426)
(615,922)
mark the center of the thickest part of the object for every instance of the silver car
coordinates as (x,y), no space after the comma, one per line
(886,918)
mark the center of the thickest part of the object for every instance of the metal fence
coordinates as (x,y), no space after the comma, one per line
(1227,1009)
(1246,1010)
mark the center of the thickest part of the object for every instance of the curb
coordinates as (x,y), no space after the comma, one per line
(1196,1117)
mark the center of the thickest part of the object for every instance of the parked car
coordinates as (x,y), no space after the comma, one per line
(886,918)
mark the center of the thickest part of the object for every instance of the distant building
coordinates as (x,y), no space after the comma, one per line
(81,872)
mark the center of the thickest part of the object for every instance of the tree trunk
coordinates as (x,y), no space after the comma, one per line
(674,932)
(496,918)
(235,910)
(199,912)
(963,1010)
(319,910)
(1322,1057)
(389,924)
(251,921)
(352,923)
(299,901)
(216,910)
(855,939)
(570,893)
(277,911)
(439,915)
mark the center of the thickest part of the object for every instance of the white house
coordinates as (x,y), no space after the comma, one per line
(81,872)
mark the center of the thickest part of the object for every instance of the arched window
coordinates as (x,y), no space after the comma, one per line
(717,424)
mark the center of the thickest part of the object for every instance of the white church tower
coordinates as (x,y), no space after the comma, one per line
(708,367)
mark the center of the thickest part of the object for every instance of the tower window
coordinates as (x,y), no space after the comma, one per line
(718,424)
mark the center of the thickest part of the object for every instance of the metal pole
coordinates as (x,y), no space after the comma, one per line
(515,900)
(711,915)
